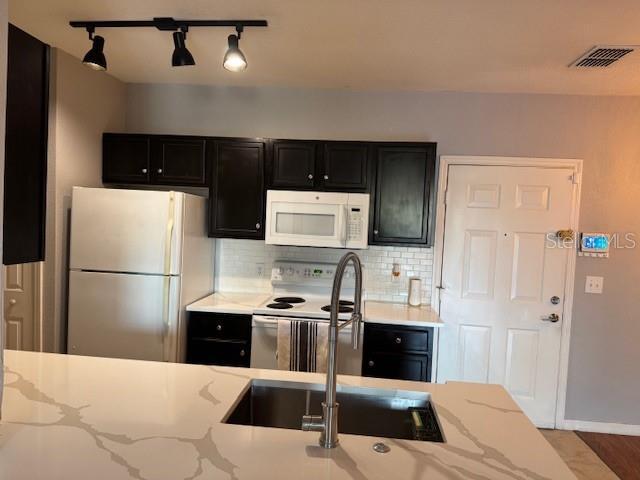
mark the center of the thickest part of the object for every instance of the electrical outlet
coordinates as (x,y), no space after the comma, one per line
(260,270)
(593,284)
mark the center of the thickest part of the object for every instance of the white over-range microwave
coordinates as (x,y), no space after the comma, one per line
(317,219)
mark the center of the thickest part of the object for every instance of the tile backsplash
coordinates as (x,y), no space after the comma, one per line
(245,266)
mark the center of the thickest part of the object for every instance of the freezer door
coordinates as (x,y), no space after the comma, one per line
(126,230)
(123,315)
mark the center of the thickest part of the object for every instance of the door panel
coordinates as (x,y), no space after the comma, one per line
(179,161)
(499,273)
(236,199)
(126,158)
(121,315)
(20,306)
(129,227)
(293,164)
(345,166)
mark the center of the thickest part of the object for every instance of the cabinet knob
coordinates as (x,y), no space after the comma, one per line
(371,363)
(159,170)
(218,327)
(398,340)
(326,177)
(242,353)
(375,232)
(144,170)
(310,177)
(258,226)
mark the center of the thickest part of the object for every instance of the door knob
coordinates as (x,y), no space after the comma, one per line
(553,318)
(13,301)
(371,363)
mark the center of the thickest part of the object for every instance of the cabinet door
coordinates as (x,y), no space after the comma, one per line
(293,164)
(126,158)
(236,197)
(404,194)
(179,161)
(345,166)
(25,169)
(396,367)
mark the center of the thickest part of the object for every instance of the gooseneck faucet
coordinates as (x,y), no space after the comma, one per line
(327,424)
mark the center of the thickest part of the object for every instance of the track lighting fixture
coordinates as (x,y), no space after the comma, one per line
(234,60)
(95,57)
(181,56)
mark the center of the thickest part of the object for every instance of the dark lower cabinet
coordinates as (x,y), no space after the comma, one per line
(237,193)
(397,352)
(179,161)
(219,339)
(25,173)
(404,195)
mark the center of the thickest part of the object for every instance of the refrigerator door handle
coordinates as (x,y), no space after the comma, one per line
(166,287)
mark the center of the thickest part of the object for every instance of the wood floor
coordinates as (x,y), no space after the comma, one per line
(621,453)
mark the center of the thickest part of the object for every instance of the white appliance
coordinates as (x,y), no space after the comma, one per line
(137,259)
(317,219)
(302,291)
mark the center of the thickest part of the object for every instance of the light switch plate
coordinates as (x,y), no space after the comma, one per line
(593,284)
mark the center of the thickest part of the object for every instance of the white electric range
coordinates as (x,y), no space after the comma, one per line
(302,291)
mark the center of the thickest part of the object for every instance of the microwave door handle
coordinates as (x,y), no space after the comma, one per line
(343,226)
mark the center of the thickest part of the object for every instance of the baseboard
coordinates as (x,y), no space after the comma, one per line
(600,427)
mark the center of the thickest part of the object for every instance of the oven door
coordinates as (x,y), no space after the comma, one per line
(264,345)
(309,219)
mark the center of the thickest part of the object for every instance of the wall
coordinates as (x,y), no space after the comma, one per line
(4,18)
(239,263)
(83,105)
(603,131)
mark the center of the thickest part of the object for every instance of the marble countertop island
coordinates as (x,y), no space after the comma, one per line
(71,417)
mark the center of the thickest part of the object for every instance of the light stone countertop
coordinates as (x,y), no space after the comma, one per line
(72,417)
(374,312)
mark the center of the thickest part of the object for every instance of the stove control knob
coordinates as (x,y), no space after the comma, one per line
(290,271)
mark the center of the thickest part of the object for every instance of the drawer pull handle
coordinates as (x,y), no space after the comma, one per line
(218,327)
(371,363)
(398,340)
(242,353)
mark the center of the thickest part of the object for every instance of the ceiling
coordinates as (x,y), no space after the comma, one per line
(427,45)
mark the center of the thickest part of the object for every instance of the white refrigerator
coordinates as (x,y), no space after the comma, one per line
(137,258)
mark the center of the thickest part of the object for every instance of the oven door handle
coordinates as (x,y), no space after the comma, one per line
(260,320)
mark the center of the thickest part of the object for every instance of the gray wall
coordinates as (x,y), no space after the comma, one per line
(83,104)
(604,384)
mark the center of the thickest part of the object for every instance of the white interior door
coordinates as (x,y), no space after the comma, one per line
(119,230)
(20,306)
(501,269)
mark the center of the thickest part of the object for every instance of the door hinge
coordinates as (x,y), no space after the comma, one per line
(574,178)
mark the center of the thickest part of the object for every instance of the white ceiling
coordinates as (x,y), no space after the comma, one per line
(461,45)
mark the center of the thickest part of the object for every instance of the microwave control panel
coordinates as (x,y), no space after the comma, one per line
(354,227)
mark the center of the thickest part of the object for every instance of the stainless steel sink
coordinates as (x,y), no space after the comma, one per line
(363,411)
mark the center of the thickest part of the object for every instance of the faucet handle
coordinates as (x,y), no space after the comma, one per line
(356,320)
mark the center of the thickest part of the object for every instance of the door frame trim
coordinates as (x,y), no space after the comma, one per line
(567,312)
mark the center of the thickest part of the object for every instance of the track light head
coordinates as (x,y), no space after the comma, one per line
(234,59)
(95,57)
(181,56)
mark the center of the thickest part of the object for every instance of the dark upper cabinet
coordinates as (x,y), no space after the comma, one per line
(237,189)
(25,174)
(293,164)
(404,194)
(126,158)
(345,166)
(179,161)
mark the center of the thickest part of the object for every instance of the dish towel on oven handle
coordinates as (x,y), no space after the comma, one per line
(302,345)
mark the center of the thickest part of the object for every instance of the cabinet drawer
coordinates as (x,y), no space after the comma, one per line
(397,366)
(219,326)
(387,339)
(213,351)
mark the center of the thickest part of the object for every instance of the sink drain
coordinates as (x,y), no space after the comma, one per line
(381,448)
